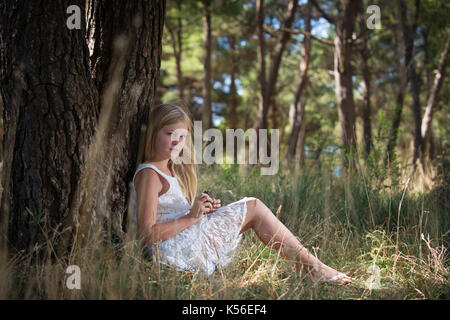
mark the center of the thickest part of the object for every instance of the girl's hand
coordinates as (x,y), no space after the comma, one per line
(215,205)
(214,202)
(202,204)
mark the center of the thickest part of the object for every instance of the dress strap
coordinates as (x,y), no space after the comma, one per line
(149,165)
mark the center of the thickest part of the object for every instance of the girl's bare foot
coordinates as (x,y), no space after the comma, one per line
(324,274)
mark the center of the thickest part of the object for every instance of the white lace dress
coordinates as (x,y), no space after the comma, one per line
(203,246)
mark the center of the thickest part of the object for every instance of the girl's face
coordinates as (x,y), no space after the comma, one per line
(171,139)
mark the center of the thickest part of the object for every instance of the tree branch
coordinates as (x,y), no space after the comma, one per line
(321,40)
(323,13)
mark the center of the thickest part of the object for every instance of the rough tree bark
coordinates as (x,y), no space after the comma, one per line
(125,64)
(50,110)
(60,161)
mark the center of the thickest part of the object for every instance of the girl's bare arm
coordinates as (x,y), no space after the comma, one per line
(148,186)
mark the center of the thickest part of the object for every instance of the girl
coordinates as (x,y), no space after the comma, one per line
(194,233)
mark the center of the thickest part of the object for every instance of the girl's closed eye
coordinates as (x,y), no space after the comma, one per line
(181,136)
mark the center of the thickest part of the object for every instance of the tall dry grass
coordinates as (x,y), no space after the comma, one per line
(391,237)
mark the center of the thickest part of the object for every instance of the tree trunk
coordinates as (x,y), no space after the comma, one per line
(274,111)
(297,109)
(128,52)
(301,157)
(175,33)
(402,82)
(233,101)
(233,98)
(409,33)
(367,89)
(426,60)
(395,125)
(433,98)
(206,91)
(261,118)
(50,111)
(268,86)
(430,143)
(345,24)
(57,165)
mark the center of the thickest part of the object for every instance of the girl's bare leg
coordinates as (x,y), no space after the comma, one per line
(273,233)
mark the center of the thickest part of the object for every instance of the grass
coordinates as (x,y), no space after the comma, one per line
(392,239)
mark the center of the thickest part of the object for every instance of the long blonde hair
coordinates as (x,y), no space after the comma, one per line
(186,173)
